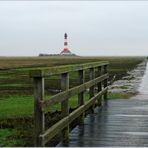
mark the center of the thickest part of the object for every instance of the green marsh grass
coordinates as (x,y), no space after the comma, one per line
(23,106)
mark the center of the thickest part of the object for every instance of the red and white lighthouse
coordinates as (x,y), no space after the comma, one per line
(65,51)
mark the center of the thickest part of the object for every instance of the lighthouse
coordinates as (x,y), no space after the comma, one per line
(65,51)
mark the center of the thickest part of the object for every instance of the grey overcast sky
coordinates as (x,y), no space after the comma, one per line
(94,28)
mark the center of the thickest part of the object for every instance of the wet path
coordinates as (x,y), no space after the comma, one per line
(119,123)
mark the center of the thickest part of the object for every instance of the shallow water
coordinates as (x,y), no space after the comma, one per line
(143,89)
(131,82)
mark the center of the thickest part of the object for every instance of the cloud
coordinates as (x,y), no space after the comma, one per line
(93,27)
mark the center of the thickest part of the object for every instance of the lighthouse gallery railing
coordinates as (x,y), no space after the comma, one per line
(98,79)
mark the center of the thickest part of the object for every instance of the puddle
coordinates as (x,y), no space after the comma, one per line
(142,107)
(136,133)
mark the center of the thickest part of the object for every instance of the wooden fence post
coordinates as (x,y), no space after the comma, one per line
(99,85)
(39,121)
(65,104)
(105,82)
(91,91)
(81,76)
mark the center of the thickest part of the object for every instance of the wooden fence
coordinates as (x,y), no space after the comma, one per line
(98,79)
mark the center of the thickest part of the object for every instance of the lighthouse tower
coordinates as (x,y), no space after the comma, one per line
(65,51)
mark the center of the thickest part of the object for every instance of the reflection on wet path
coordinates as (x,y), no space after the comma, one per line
(120,123)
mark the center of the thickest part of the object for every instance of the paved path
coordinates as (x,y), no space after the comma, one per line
(121,123)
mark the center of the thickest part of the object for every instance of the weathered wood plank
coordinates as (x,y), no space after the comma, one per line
(92,76)
(71,92)
(81,81)
(99,74)
(65,104)
(99,85)
(91,89)
(64,87)
(54,130)
(81,75)
(105,82)
(38,114)
(44,72)
(105,69)
(76,113)
(92,100)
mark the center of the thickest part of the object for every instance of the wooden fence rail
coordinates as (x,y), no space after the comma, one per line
(98,79)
